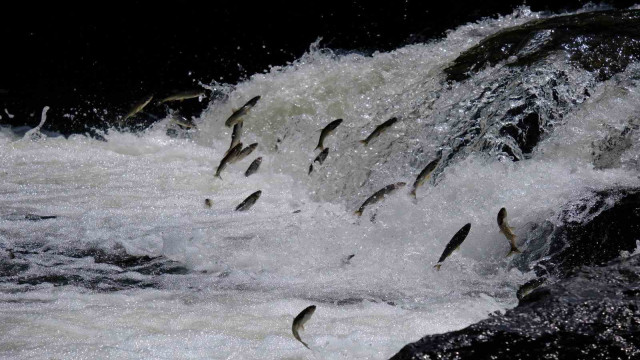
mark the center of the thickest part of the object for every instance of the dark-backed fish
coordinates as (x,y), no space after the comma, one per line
(255,164)
(28,217)
(424,175)
(235,136)
(207,203)
(322,156)
(529,286)
(454,244)
(227,159)
(238,114)
(137,107)
(379,130)
(379,195)
(244,153)
(183,95)
(249,201)
(298,323)
(327,131)
(507,231)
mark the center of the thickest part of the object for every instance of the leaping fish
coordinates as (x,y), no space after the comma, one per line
(253,167)
(137,108)
(236,117)
(249,201)
(183,95)
(327,131)
(298,323)
(379,130)
(507,231)
(454,244)
(379,195)
(228,158)
(244,153)
(235,136)
(424,175)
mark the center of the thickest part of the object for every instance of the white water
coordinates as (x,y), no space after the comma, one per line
(252,272)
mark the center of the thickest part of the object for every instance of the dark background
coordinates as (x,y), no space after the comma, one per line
(75,58)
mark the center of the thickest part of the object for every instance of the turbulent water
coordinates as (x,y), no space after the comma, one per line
(135,266)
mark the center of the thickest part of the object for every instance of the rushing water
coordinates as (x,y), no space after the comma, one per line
(237,279)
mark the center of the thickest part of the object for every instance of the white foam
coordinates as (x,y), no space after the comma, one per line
(145,192)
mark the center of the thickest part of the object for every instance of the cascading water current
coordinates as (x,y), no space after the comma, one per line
(135,266)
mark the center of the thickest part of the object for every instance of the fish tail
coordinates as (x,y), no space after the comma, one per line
(319,147)
(363,142)
(358,212)
(218,176)
(413,194)
(513,250)
(438,267)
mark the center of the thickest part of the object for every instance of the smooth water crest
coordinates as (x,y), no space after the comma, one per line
(135,266)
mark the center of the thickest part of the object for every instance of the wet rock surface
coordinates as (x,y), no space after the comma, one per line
(585,303)
(592,231)
(604,42)
(592,314)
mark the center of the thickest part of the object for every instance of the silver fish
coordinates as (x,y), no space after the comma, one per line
(235,136)
(227,159)
(253,167)
(183,95)
(249,201)
(327,131)
(244,153)
(454,244)
(238,114)
(137,108)
(424,175)
(379,195)
(507,231)
(299,321)
(379,130)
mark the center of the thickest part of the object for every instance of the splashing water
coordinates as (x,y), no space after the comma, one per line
(247,274)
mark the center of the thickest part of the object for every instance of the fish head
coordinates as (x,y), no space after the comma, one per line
(502,214)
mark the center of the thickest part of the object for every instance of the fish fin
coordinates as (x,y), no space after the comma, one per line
(363,142)
(438,267)
(511,228)
(457,248)
(514,250)
(301,327)
(319,147)
(358,212)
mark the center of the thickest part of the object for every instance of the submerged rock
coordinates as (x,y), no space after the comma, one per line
(95,269)
(592,314)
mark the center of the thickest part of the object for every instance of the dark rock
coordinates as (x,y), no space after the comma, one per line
(594,230)
(604,42)
(607,152)
(592,314)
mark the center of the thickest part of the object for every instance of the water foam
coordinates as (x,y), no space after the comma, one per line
(252,272)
